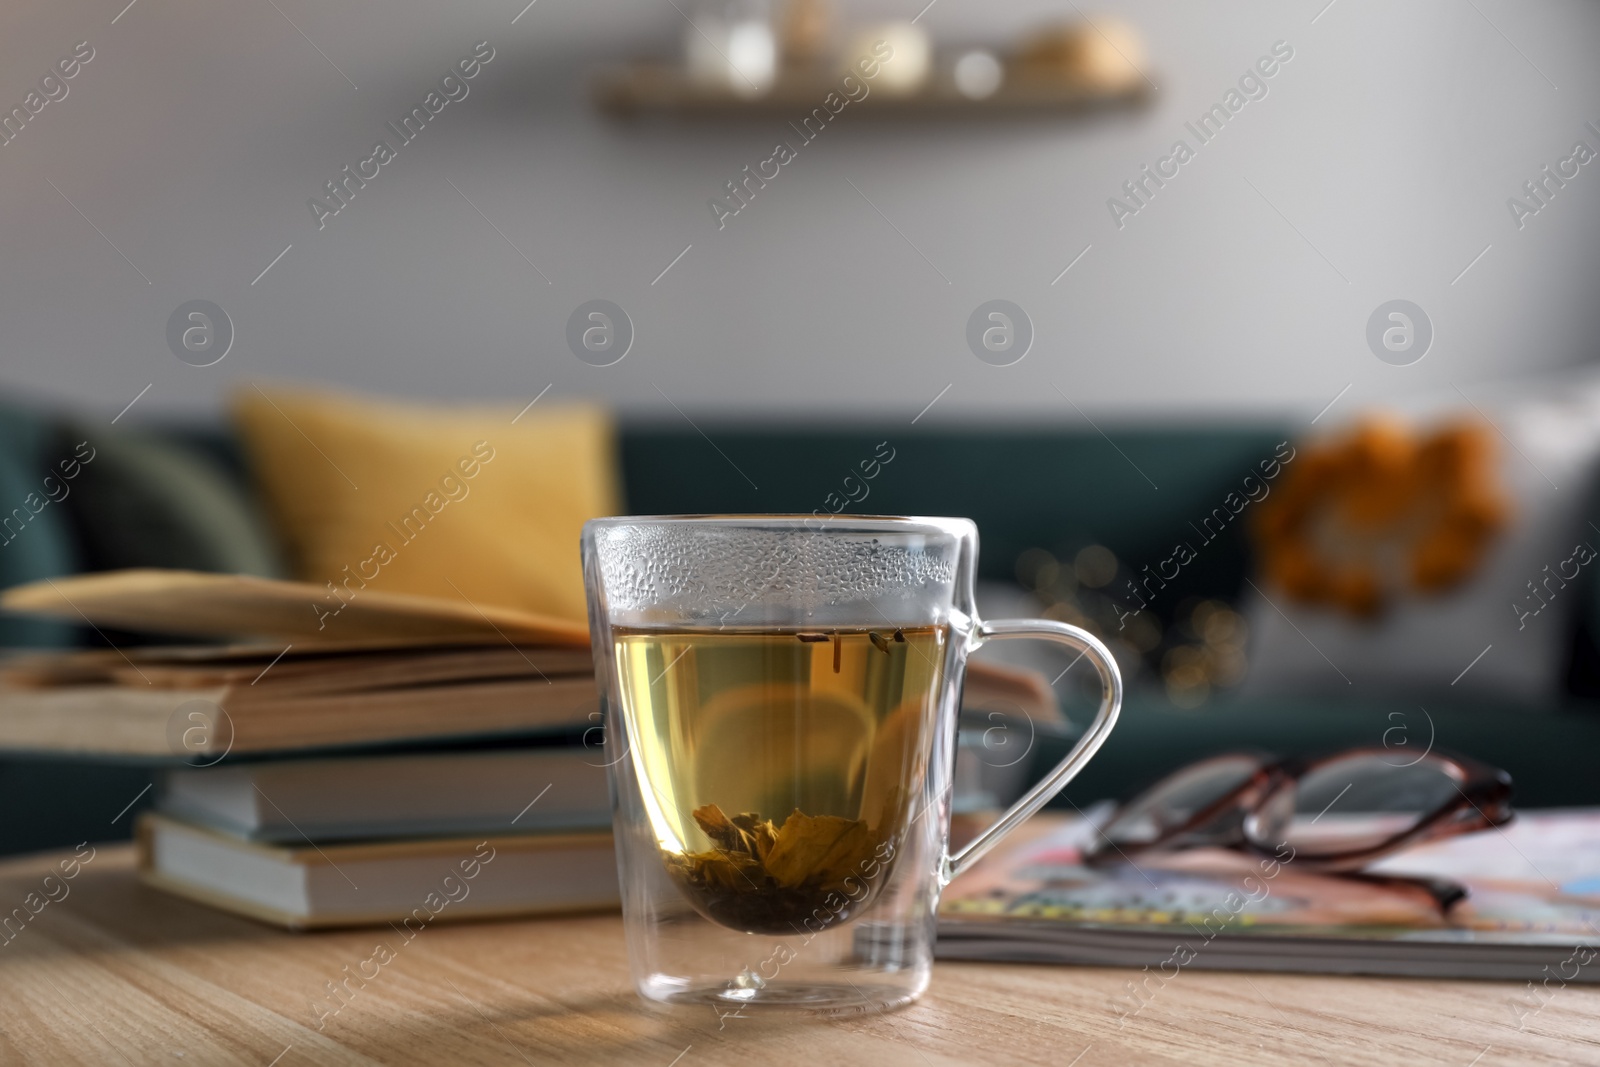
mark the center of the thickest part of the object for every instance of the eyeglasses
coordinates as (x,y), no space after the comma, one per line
(1337,813)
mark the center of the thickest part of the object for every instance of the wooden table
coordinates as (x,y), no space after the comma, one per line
(119,973)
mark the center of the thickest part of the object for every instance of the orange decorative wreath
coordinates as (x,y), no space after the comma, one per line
(1380,511)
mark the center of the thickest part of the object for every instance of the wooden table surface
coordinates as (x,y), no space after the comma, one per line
(120,973)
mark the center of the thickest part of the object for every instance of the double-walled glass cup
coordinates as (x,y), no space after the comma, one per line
(784,691)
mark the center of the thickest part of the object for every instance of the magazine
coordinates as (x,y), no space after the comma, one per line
(1532,910)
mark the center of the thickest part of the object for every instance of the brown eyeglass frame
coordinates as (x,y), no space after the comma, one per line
(1483,801)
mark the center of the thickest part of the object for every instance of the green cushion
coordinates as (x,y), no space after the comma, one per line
(56,802)
(148,501)
(33,545)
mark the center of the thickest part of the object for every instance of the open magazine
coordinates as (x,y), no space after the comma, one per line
(1532,910)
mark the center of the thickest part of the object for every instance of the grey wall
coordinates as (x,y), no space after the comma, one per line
(1381,162)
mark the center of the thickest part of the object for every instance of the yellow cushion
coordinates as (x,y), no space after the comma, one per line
(448,502)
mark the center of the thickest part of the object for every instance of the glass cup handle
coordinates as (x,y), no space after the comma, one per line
(1089,647)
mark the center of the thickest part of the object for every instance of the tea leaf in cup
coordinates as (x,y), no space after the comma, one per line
(821,848)
(768,879)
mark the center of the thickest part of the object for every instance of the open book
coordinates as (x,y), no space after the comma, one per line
(311,667)
(180,706)
(198,604)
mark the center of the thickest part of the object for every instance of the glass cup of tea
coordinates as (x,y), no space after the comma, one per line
(782,692)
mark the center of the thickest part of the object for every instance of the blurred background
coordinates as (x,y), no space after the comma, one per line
(1339,348)
(1378,166)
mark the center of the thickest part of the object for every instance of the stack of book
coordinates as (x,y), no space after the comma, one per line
(409,760)
(333,761)
(387,838)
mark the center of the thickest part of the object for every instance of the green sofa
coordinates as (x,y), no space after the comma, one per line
(181,496)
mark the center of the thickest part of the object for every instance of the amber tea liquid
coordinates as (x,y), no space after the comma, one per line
(779,768)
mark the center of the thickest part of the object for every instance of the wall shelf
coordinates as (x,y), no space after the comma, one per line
(664,90)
